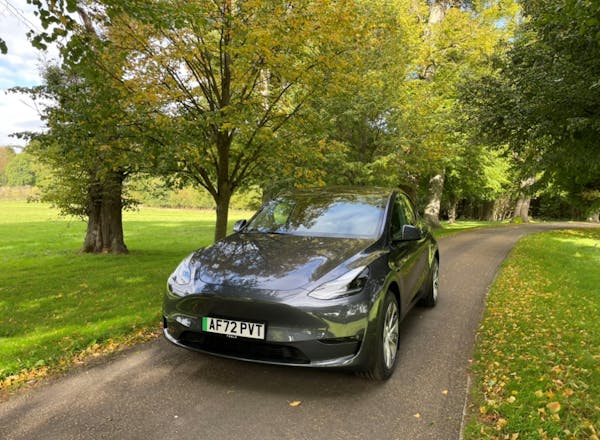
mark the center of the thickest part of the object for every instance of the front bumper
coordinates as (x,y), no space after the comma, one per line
(300,331)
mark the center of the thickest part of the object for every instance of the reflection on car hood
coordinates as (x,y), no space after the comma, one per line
(272,262)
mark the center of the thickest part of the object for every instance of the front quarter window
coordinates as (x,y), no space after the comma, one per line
(272,217)
(398,219)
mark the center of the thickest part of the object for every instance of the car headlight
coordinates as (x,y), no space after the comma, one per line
(183,273)
(348,284)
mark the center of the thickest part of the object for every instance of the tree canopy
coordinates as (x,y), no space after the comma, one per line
(464,103)
(543,102)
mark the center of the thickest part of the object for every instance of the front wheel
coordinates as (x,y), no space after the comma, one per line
(385,354)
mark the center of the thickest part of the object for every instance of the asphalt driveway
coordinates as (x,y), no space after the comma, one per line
(158,391)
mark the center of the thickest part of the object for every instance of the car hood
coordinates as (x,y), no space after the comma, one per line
(272,261)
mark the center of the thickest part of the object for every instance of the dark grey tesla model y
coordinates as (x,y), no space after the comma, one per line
(317,278)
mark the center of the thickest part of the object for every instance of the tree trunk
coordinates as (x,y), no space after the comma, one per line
(222,215)
(432,210)
(524,214)
(93,235)
(437,13)
(518,206)
(522,206)
(452,212)
(105,220)
(224,187)
(111,215)
(595,218)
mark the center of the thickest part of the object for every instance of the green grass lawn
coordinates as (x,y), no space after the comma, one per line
(56,304)
(536,371)
(461,226)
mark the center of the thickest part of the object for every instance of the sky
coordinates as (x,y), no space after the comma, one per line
(19,67)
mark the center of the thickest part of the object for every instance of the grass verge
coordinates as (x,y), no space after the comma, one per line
(461,226)
(536,370)
(58,306)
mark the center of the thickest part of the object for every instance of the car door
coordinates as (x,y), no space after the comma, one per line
(408,258)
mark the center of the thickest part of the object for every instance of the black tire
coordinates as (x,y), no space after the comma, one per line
(385,354)
(431,297)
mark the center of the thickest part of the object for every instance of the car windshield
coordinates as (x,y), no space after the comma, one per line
(355,216)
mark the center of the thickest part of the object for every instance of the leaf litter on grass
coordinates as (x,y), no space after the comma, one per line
(535,369)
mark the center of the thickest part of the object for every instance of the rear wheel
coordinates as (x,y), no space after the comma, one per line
(385,354)
(431,298)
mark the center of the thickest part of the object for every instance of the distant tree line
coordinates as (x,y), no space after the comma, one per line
(16,169)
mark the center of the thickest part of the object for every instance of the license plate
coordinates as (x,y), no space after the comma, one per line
(233,328)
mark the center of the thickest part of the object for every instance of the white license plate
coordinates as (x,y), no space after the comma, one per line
(230,327)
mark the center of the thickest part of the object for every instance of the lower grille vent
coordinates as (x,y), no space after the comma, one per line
(244,348)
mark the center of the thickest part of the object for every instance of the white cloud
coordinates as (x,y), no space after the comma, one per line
(20,67)
(17,113)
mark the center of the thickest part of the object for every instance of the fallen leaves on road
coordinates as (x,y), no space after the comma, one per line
(295,403)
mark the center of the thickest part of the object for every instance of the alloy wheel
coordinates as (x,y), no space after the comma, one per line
(436,282)
(390,334)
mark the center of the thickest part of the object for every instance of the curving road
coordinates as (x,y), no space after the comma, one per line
(158,391)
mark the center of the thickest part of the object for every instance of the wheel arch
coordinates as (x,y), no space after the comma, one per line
(395,289)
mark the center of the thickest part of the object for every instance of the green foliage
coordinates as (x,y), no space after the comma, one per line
(536,369)
(57,303)
(352,125)
(6,155)
(390,119)
(88,140)
(220,96)
(229,77)
(543,99)
(56,18)
(20,171)
(480,174)
(153,191)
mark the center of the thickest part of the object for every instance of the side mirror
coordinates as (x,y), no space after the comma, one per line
(239,225)
(410,233)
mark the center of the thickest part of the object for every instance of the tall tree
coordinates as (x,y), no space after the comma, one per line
(544,100)
(459,38)
(88,152)
(394,120)
(88,143)
(352,125)
(226,77)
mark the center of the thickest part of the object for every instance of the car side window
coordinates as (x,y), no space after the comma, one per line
(398,219)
